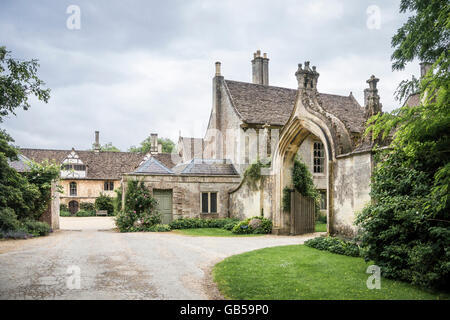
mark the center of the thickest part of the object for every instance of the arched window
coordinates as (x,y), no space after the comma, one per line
(319,157)
(73,188)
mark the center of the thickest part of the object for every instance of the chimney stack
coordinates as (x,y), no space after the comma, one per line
(424,68)
(97,141)
(218,69)
(153,143)
(260,68)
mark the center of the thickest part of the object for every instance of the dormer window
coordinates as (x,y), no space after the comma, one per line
(319,157)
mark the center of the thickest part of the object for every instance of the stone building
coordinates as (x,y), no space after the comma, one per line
(251,121)
(85,174)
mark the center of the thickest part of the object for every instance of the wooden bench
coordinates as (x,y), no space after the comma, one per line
(101,212)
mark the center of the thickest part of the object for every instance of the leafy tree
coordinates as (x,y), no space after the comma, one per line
(18,80)
(22,197)
(104,202)
(168,146)
(406,229)
(107,147)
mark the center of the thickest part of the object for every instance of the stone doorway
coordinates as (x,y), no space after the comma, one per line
(73,207)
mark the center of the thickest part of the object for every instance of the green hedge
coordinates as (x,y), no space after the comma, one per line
(159,228)
(194,223)
(335,245)
(245,227)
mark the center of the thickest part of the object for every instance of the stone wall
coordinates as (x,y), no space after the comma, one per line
(247,201)
(87,190)
(51,215)
(187,192)
(351,188)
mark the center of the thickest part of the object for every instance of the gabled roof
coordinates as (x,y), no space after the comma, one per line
(206,167)
(100,165)
(153,166)
(261,104)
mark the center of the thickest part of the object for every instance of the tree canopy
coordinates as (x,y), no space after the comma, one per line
(19,80)
(406,228)
(168,146)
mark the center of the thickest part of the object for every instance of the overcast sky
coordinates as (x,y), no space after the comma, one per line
(136,67)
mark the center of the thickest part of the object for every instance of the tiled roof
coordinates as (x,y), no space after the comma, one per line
(102,164)
(21,164)
(260,104)
(153,166)
(206,167)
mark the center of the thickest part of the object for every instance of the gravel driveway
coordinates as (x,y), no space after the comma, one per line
(116,265)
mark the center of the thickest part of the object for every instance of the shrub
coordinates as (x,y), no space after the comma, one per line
(19,234)
(335,245)
(8,220)
(131,221)
(191,223)
(104,202)
(64,213)
(250,226)
(84,213)
(159,228)
(63,207)
(229,226)
(87,206)
(117,200)
(139,213)
(138,197)
(37,228)
(405,230)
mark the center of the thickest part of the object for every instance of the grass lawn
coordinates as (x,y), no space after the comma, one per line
(300,272)
(212,232)
(321,227)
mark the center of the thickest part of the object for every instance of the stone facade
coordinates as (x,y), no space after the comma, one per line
(187,190)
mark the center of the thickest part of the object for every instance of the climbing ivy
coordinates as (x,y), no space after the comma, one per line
(253,173)
(287,199)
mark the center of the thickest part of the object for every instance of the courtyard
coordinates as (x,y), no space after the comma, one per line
(116,265)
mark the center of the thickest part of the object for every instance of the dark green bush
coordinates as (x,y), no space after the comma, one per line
(84,213)
(63,207)
(191,223)
(159,228)
(139,213)
(104,202)
(118,200)
(335,245)
(245,227)
(8,220)
(405,230)
(64,213)
(37,228)
(87,206)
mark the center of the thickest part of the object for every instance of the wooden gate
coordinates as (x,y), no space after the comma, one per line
(164,204)
(302,214)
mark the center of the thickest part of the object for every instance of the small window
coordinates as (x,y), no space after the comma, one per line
(79,167)
(108,186)
(209,202)
(319,157)
(73,189)
(323,200)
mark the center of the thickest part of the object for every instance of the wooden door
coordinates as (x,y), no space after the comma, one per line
(164,204)
(73,207)
(302,214)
